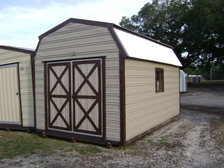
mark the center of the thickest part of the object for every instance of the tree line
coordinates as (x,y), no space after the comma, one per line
(195,29)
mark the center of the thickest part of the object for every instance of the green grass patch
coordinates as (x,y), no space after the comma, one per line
(161,143)
(89,149)
(29,144)
(208,83)
(213,81)
(22,145)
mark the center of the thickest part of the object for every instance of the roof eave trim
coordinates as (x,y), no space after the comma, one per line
(139,59)
(17,49)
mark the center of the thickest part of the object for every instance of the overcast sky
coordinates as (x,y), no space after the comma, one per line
(22,21)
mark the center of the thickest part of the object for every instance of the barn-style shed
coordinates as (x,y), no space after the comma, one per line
(16,88)
(100,83)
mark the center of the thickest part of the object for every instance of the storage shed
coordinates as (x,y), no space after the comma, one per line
(183,81)
(100,83)
(194,78)
(16,88)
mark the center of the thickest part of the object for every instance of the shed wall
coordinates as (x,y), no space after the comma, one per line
(87,42)
(26,91)
(145,108)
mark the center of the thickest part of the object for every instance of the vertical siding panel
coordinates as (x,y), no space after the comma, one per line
(9,100)
(145,108)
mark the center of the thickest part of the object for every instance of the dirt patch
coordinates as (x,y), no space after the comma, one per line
(217,131)
(194,139)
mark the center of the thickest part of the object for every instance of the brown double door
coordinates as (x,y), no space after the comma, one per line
(74,96)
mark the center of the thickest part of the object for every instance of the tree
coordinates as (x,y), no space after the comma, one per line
(195,28)
(161,20)
(204,33)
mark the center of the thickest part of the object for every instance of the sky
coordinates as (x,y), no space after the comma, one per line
(23,21)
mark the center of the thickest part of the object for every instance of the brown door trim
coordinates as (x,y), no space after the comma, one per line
(50,94)
(96,97)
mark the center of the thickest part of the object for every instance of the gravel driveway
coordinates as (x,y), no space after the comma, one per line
(194,139)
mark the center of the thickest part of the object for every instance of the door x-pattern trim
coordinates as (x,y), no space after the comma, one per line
(59,113)
(66,96)
(96,96)
(59,79)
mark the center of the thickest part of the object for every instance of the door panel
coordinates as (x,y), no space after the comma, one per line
(9,94)
(87,96)
(59,96)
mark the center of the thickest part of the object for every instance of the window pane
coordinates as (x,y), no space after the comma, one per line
(159,80)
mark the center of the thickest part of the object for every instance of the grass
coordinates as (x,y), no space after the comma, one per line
(30,144)
(213,81)
(89,149)
(208,83)
(23,145)
(164,140)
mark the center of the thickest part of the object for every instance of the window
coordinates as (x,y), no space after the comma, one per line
(159,72)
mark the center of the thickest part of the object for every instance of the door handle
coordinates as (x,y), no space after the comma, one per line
(17,93)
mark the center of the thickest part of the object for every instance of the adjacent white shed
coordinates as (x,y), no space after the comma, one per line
(194,78)
(16,88)
(183,81)
(100,83)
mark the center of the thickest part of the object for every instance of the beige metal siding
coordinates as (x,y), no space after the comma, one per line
(9,99)
(145,108)
(88,42)
(8,57)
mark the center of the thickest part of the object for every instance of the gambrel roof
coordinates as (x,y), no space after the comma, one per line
(131,44)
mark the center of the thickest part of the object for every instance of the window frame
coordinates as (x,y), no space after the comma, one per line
(159,83)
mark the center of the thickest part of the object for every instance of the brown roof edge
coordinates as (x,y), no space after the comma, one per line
(18,49)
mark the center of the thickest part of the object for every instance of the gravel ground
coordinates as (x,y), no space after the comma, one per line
(194,139)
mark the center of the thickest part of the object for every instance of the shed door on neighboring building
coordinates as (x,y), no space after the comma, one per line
(9,94)
(74,96)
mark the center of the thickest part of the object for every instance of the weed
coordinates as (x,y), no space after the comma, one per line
(122,148)
(161,143)
(165,137)
(135,148)
(176,135)
(87,149)
(62,155)
(26,156)
(163,140)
